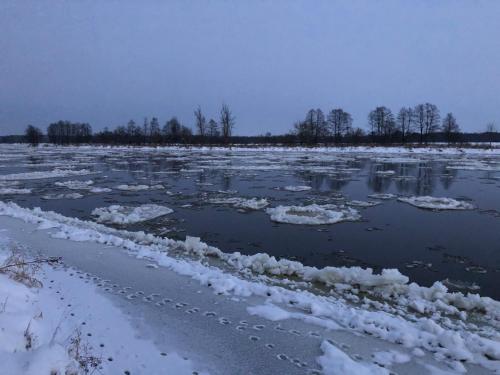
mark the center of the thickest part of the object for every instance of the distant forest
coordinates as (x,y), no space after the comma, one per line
(421,124)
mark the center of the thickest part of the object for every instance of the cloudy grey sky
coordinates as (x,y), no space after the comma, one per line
(106,62)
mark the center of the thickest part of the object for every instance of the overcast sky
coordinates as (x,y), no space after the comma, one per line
(105,62)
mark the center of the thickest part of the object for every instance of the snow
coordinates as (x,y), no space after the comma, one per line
(44,174)
(297,188)
(250,204)
(117,214)
(387,358)
(270,312)
(436,203)
(335,362)
(313,214)
(65,309)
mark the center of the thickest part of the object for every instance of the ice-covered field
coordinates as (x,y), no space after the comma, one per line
(299,261)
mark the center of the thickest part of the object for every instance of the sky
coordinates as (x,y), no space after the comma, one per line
(106,62)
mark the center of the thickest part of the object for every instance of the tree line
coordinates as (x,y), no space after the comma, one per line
(421,123)
(411,123)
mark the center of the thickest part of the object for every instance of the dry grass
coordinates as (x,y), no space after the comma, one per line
(82,353)
(23,271)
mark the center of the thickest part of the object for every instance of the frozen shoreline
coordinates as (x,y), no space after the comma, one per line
(376,149)
(429,319)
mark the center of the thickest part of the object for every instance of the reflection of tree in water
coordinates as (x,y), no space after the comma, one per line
(426,180)
(447,176)
(338,182)
(405,180)
(376,182)
(318,181)
(226,181)
(415,179)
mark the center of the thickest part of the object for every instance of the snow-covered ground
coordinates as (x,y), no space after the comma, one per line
(367,323)
(57,321)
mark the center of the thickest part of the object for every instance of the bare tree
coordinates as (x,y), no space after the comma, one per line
(450,128)
(33,135)
(226,122)
(426,119)
(419,117)
(432,119)
(382,122)
(405,122)
(491,130)
(146,130)
(339,122)
(201,123)
(213,128)
(155,131)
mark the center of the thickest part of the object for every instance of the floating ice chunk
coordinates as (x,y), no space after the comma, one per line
(382,196)
(313,214)
(44,174)
(6,191)
(132,187)
(385,173)
(435,203)
(125,187)
(62,196)
(297,188)
(117,214)
(249,204)
(362,204)
(97,190)
(335,362)
(76,184)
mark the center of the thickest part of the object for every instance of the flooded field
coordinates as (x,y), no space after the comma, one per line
(318,207)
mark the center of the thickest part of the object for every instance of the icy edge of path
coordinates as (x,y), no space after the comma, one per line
(420,321)
(67,312)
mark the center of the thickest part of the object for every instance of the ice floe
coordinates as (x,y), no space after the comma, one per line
(297,188)
(249,204)
(62,196)
(45,174)
(125,187)
(313,214)
(76,184)
(362,204)
(7,191)
(437,203)
(117,214)
(385,173)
